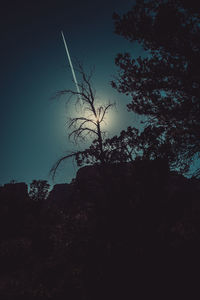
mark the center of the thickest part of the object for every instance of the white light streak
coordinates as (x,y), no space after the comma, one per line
(71,66)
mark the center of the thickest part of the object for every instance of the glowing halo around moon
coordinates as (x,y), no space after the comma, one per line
(81,111)
(106,121)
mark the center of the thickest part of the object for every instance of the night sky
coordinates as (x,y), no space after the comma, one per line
(34,67)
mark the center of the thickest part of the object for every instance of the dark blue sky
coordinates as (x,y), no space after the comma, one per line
(34,67)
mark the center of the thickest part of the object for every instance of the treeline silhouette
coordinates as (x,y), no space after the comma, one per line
(119,230)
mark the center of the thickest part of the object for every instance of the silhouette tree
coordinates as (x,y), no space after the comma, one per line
(131,145)
(118,149)
(165,84)
(89,121)
(39,190)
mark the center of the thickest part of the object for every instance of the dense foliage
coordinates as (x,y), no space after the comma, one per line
(165,84)
(131,145)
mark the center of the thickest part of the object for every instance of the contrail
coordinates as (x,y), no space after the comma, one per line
(71,66)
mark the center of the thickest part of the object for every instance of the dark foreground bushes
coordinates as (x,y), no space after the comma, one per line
(130,231)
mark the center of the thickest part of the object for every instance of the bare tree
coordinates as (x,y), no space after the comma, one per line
(90,119)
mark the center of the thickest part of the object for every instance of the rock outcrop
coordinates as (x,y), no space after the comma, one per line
(115,232)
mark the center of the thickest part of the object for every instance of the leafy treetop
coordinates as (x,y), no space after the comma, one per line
(164,85)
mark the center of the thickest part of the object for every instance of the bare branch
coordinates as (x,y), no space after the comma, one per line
(56,165)
(85,125)
(105,110)
(73,120)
